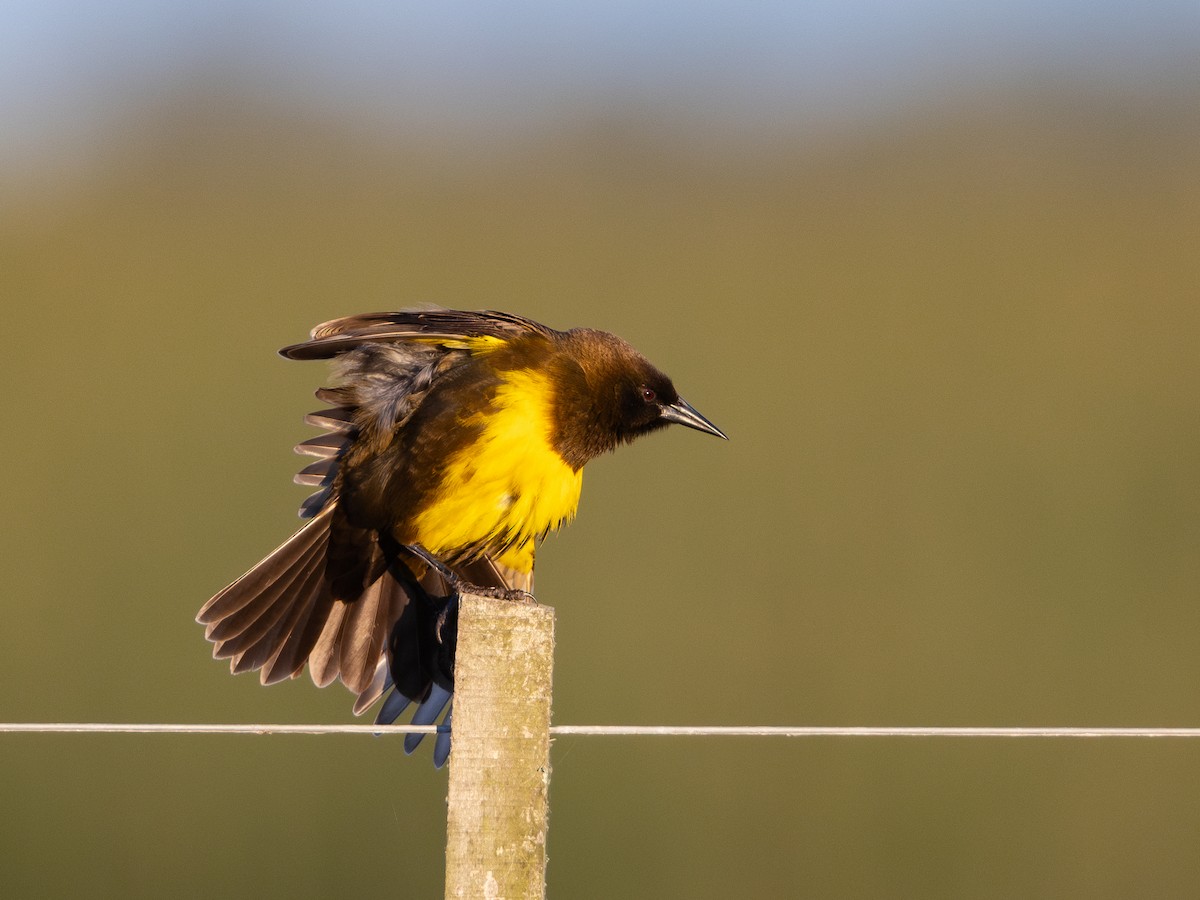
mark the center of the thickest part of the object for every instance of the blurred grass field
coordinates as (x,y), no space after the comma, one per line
(956,353)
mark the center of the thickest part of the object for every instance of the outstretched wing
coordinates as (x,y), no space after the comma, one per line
(452,328)
(385,363)
(328,597)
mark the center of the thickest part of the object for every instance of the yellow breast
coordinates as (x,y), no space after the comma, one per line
(510,486)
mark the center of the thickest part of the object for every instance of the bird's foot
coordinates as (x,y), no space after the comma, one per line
(459,585)
(513,595)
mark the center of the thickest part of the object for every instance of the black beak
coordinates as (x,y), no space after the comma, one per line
(682,413)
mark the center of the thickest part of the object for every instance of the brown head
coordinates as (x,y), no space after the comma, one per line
(609,394)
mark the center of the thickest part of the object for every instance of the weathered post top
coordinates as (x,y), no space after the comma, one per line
(500,757)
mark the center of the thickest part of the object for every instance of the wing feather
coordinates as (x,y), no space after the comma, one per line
(427,325)
(323,658)
(243,628)
(243,591)
(266,648)
(297,607)
(302,630)
(320,473)
(354,653)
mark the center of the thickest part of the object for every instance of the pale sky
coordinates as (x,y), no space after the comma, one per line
(67,65)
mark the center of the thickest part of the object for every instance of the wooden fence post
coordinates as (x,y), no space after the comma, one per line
(500,755)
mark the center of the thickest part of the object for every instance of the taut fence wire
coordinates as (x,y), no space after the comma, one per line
(801,731)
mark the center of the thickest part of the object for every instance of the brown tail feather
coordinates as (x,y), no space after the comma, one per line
(243,591)
(281,614)
(301,631)
(284,614)
(267,647)
(323,658)
(374,689)
(391,606)
(244,627)
(358,634)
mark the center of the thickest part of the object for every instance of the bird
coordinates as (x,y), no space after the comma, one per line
(454,442)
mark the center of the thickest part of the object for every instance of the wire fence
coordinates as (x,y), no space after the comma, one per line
(802,731)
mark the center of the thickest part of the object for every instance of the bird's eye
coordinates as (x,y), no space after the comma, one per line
(648,395)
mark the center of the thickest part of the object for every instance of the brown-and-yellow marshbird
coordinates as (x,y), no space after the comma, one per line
(456,441)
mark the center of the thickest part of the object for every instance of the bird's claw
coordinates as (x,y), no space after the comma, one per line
(458,586)
(513,595)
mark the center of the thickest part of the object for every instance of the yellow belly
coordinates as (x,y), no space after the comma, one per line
(508,488)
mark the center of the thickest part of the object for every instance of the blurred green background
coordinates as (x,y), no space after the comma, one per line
(951,329)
